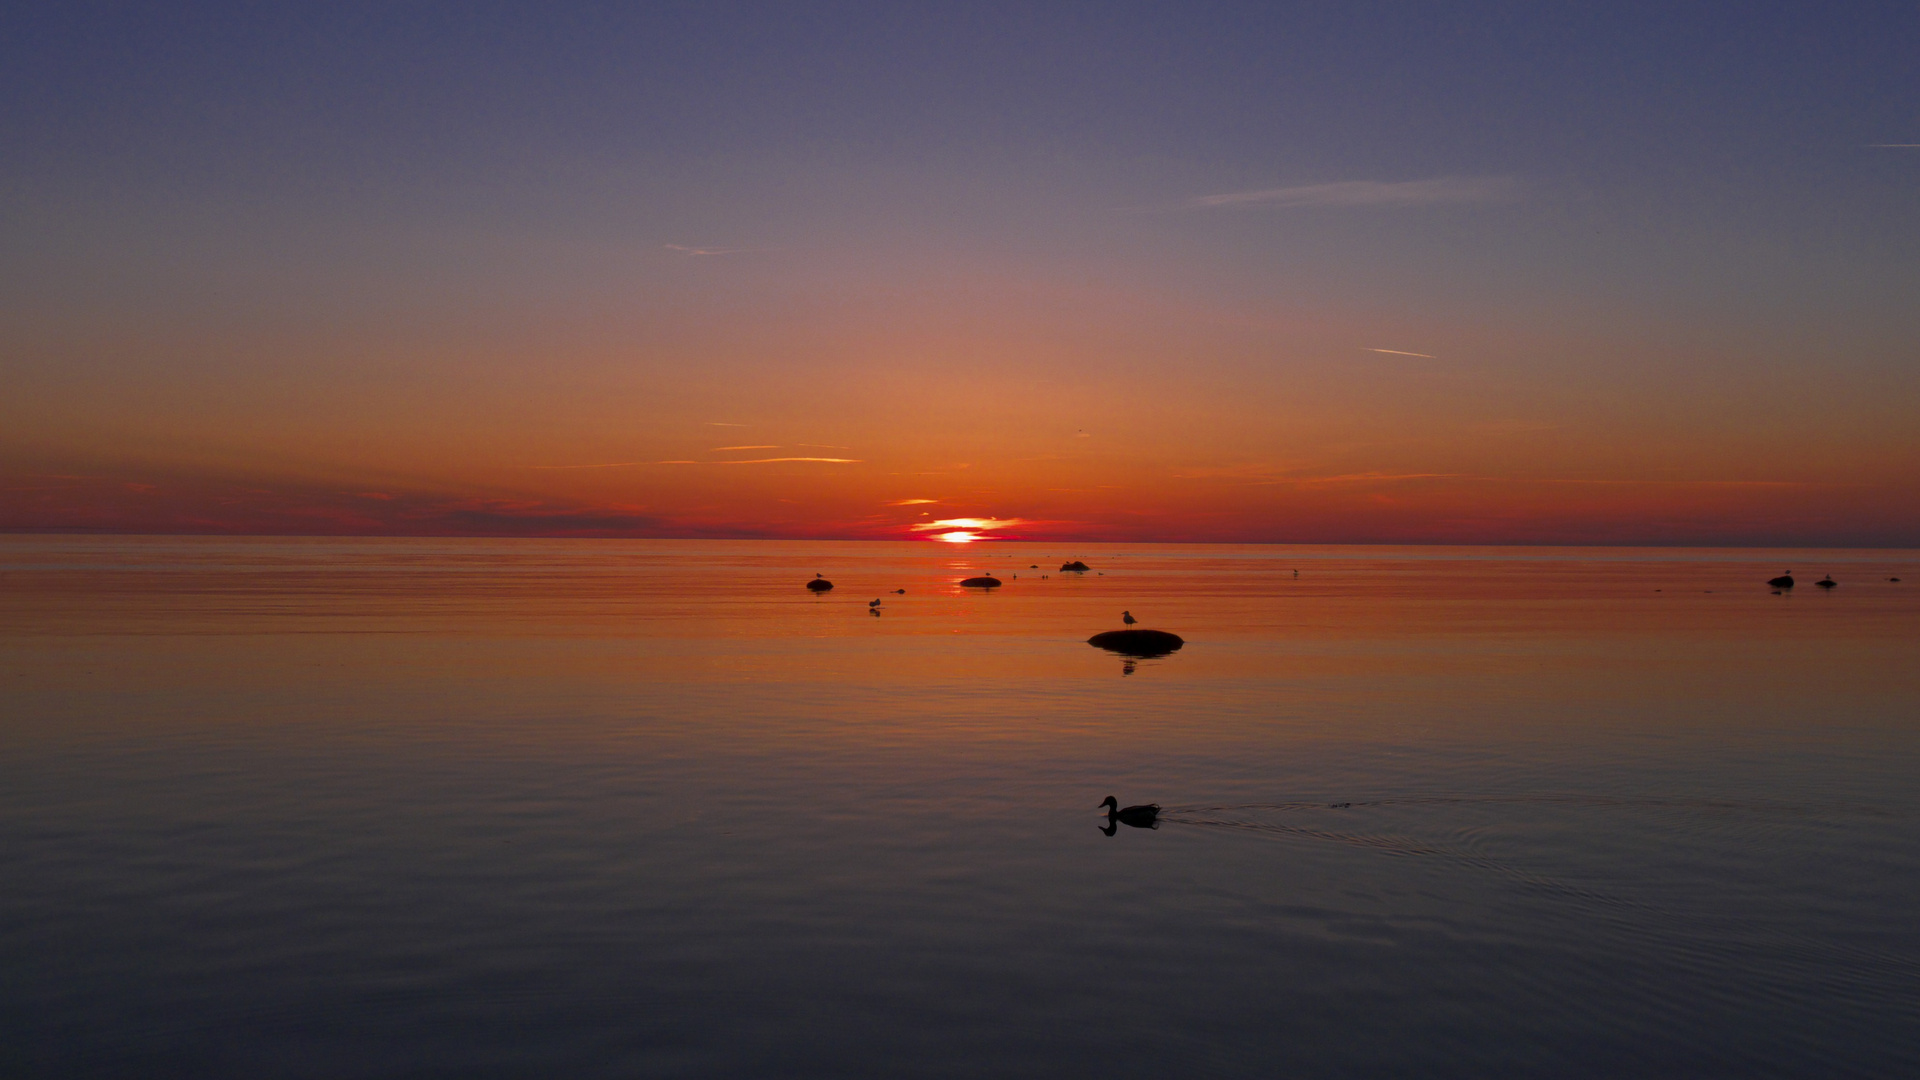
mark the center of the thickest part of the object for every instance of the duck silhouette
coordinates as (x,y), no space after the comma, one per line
(1140,817)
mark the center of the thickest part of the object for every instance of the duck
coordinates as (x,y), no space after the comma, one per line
(1140,817)
(1127,617)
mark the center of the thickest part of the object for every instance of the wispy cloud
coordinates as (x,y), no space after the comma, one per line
(685,250)
(1402,352)
(764,461)
(912,502)
(1445,189)
(749,461)
(774,446)
(824,446)
(597,465)
(723,423)
(1367,478)
(969,524)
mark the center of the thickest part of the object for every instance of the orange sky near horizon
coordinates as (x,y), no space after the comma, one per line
(1083,436)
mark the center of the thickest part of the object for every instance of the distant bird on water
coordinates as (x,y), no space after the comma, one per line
(1127,617)
(1140,817)
(875,602)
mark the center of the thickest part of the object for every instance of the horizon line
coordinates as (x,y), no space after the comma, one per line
(579,535)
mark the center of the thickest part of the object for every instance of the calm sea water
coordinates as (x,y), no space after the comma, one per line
(370,808)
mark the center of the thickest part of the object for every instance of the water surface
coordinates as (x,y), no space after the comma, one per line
(342,808)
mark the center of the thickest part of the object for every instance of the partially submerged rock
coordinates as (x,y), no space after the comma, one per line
(820,584)
(1145,644)
(1075,566)
(980,583)
(1784,581)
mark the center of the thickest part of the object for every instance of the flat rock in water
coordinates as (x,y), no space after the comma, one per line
(1075,567)
(981,583)
(820,584)
(1142,643)
(1784,581)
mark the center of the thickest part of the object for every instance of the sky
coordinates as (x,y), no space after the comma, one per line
(1314,273)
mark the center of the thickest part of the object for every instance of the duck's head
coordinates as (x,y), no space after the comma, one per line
(1111,804)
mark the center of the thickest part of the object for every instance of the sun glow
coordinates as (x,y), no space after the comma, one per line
(964,530)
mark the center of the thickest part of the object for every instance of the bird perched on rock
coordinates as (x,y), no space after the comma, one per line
(1127,617)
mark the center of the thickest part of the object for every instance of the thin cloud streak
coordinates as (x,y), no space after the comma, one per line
(600,465)
(1438,191)
(912,502)
(752,461)
(1399,352)
(761,461)
(970,524)
(774,446)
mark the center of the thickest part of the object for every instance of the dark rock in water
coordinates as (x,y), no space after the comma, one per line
(981,583)
(1145,644)
(1827,582)
(1895,579)
(1076,567)
(900,592)
(1784,581)
(820,584)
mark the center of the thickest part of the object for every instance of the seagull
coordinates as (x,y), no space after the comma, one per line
(1127,617)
